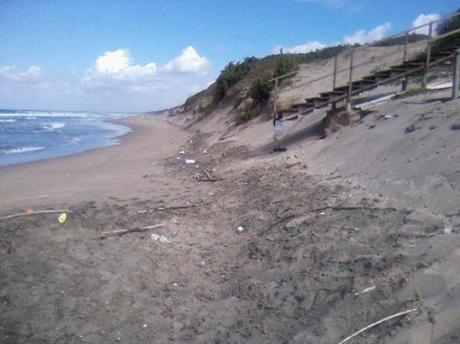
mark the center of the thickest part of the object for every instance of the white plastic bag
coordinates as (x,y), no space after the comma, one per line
(279,128)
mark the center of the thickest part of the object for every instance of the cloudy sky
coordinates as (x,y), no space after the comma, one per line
(133,56)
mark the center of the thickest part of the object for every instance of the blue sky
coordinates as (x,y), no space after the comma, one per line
(145,55)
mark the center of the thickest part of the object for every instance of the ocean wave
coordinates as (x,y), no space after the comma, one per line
(54,126)
(74,141)
(33,114)
(8,120)
(19,150)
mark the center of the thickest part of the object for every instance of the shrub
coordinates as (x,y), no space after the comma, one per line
(260,89)
(446,26)
(231,75)
(284,65)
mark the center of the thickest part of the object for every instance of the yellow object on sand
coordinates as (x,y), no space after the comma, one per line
(62,218)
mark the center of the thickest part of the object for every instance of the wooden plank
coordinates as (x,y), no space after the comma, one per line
(456,66)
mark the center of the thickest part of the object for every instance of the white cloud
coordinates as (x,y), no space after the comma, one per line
(116,83)
(188,62)
(360,36)
(363,36)
(12,73)
(425,19)
(116,66)
(299,49)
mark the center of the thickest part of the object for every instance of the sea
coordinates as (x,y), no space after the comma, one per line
(27,135)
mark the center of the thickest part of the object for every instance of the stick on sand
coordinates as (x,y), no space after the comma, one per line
(388,318)
(38,212)
(121,232)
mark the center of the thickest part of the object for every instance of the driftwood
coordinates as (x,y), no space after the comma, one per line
(388,318)
(166,208)
(348,208)
(121,232)
(208,177)
(37,212)
(174,208)
(280,221)
(294,164)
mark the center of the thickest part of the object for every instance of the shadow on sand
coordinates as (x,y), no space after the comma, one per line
(315,130)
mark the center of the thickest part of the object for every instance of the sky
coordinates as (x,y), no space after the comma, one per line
(135,56)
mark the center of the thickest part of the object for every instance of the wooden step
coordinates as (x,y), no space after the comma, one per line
(414,64)
(383,73)
(443,53)
(333,93)
(400,68)
(287,111)
(316,100)
(345,88)
(370,78)
(364,81)
(297,106)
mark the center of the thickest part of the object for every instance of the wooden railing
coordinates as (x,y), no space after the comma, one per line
(352,66)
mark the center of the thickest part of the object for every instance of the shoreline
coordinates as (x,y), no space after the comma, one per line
(125,122)
(93,175)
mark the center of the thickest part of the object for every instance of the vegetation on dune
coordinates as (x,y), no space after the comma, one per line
(445,26)
(231,75)
(412,38)
(247,84)
(448,24)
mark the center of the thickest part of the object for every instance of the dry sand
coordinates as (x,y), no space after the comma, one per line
(315,230)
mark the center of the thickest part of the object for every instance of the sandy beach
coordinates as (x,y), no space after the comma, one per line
(97,175)
(241,246)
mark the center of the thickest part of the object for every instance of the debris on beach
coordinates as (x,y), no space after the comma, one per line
(206,176)
(161,238)
(62,218)
(366,290)
(240,229)
(121,232)
(31,211)
(410,129)
(190,161)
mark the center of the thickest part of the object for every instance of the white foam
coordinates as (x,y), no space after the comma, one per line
(8,120)
(54,126)
(33,114)
(74,141)
(20,150)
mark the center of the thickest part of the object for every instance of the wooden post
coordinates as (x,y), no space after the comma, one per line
(334,80)
(456,73)
(405,81)
(275,99)
(428,56)
(334,77)
(350,80)
(406,42)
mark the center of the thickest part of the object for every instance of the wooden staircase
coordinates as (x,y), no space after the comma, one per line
(416,66)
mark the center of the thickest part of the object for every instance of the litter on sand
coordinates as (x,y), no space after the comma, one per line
(366,290)
(62,218)
(161,238)
(190,161)
(240,229)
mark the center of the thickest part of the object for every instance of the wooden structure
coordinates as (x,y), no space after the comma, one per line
(419,65)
